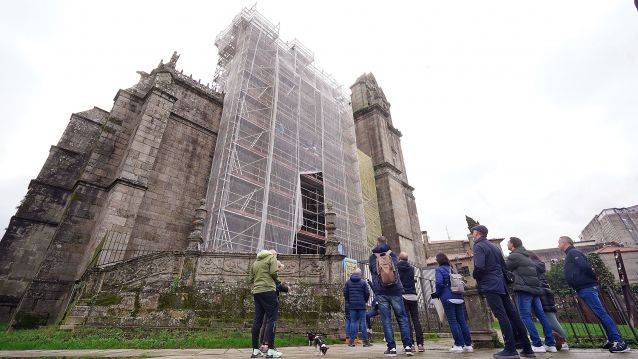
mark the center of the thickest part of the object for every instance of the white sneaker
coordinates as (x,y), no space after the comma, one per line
(256,353)
(550,348)
(456,349)
(408,351)
(540,349)
(272,353)
(564,347)
(468,348)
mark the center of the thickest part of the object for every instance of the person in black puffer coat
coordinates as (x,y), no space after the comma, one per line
(527,287)
(410,300)
(548,302)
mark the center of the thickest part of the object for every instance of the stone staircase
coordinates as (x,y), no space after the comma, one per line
(76,317)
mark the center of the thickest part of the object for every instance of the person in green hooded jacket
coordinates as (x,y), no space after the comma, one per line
(262,276)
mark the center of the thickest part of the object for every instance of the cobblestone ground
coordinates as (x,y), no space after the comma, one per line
(435,350)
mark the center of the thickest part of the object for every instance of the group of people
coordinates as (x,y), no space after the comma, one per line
(394,290)
(524,270)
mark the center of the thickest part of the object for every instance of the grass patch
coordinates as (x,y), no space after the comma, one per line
(134,338)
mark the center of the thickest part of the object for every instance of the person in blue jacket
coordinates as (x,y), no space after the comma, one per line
(489,272)
(581,277)
(453,305)
(356,294)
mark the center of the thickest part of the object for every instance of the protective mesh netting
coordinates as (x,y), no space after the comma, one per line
(282,118)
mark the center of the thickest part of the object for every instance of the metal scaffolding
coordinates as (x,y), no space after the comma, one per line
(286,148)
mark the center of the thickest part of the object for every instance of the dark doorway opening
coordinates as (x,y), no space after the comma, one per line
(310,239)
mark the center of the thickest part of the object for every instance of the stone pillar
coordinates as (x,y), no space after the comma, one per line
(331,241)
(480,320)
(195,238)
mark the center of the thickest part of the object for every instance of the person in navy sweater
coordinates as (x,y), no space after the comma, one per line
(356,294)
(453,305)
(581,277)
(489,272)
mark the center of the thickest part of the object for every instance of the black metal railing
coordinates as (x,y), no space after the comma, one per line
(581,325)
(116,247)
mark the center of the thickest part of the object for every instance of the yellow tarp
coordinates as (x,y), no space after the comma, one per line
(370,205)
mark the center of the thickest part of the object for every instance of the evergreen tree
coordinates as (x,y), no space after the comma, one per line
(556,279)
(471,223)
(605,277)
(556,276)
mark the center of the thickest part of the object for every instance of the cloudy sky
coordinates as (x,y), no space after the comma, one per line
(523,115)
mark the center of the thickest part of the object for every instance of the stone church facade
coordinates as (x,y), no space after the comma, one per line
(138,173)
(139,169)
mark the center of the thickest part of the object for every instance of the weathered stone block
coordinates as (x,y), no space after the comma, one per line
(169,290)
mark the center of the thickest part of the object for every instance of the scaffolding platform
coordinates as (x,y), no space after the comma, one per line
(286,148)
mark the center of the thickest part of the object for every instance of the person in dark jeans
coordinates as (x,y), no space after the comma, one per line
(410,300)
(356,294)
(279,288)
(489,272)
(528,289)
(549,304)
(263,274)
(390,299)
(580,276)
(374,311)
(453,305)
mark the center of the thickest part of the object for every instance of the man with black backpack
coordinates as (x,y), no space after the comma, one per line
(389,290)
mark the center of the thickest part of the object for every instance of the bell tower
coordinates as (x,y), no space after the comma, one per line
(378,138)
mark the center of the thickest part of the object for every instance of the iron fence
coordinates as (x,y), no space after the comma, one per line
(115,248)
(581,325)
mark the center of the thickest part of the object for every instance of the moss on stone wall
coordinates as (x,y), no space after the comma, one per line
(106,299)
(183,297)
(25,320)
(330,304)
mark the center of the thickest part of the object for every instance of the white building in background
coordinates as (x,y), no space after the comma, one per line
(619,225)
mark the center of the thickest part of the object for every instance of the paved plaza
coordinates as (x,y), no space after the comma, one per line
(336,351)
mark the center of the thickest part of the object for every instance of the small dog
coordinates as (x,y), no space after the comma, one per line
(319,344)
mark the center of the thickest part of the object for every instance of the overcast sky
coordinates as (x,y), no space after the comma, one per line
(523,115)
